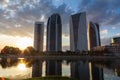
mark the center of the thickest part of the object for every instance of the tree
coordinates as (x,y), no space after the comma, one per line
(11,50)
(29,51)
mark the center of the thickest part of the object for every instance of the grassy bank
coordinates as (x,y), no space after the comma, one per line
(2,78)
(50,78)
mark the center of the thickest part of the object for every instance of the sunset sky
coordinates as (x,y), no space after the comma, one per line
(17,18)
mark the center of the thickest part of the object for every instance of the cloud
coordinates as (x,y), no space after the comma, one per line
(106,12)
(19,16)
(113,28)
(104,32)
(105,41)
(118,34)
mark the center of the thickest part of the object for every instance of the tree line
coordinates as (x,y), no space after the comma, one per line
(30,51)
(9,50)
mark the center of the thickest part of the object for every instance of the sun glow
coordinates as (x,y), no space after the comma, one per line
(21,66)
(22,43)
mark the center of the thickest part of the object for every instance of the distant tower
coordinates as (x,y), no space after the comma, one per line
(94,40)
(38,36)
(38,45)
(78,42)
(94,35)
(54,38)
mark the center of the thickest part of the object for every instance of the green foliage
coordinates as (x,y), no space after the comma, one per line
(50,78)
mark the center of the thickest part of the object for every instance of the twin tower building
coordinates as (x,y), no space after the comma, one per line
(78,41)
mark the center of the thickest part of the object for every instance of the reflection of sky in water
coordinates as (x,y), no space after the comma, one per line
(14,72)
(65,70)
(110,75)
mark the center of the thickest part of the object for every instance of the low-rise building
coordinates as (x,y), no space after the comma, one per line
(114,47)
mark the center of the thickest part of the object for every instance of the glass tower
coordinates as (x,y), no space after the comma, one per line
(53,44)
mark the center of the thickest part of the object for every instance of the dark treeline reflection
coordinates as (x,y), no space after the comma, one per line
(110,64)
(10,62)
(14,62)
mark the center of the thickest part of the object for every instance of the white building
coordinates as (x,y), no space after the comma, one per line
(78,42)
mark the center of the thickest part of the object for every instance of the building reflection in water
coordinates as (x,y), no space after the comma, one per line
(24,64)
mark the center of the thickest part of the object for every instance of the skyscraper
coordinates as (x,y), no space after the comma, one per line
(78,32)
(93,35)
(78,42)
(38,36)
(54,38)
(38,45)
(93,41)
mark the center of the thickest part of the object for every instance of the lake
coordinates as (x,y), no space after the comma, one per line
(19,69)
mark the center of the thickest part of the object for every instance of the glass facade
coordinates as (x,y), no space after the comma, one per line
(54,39)
(38,36)
(94,40)
(54,33)
(78,42)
